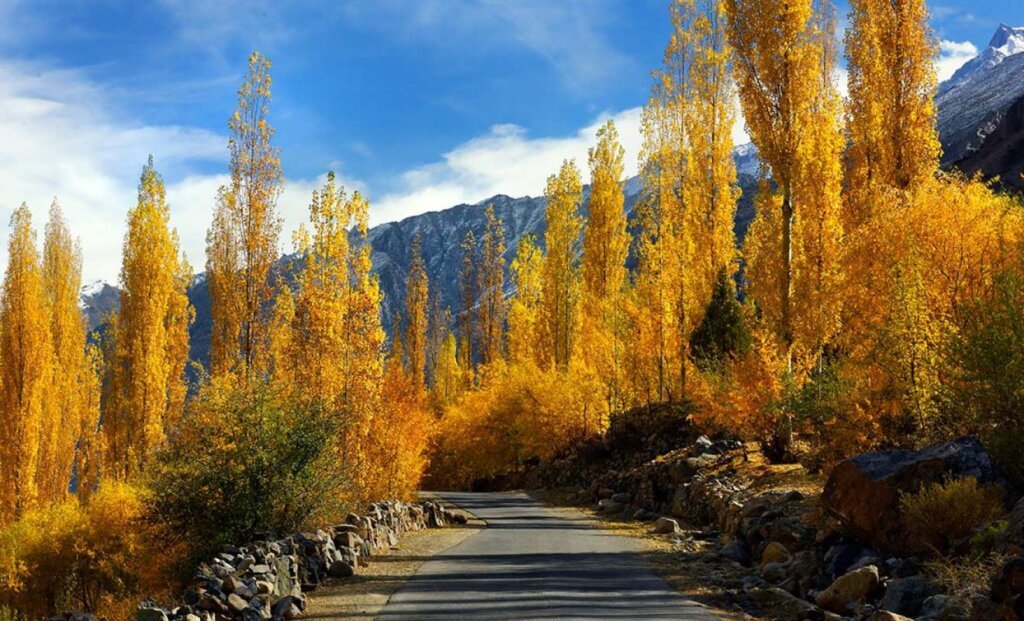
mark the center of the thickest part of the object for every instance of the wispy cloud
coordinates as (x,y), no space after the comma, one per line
(64,137)
(506,160)
(952,55)
(570,34)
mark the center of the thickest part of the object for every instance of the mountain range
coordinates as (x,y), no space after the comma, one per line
(980,123)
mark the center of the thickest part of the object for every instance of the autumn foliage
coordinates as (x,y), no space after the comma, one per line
(874,301)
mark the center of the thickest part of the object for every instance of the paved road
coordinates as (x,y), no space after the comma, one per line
(534,562)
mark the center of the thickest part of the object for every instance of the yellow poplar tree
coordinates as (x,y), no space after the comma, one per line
(891,111)
(690,193)
(62,280)
(526,328)
(784,59)
(151,342)
(328,341)
(605,247)
(894,150)
(709,187)
(26,353)
(242,241)
(417,295)
(564,194)
(491,288)
(467,303)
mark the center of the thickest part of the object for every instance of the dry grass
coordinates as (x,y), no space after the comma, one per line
(941,515)
(966,577)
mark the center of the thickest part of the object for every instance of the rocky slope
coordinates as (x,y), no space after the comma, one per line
(975,107)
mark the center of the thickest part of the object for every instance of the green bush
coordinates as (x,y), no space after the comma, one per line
(248,462)
(941,516)
(987,394)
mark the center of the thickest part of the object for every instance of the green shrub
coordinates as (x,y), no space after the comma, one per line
(940,516)
(987,394)
(248,462)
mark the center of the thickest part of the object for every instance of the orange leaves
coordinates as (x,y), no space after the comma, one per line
(564,194)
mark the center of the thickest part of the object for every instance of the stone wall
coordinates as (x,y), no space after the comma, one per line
(266,580)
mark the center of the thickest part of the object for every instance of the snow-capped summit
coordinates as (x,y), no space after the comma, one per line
(97,298)
(972,104)
(1006,42)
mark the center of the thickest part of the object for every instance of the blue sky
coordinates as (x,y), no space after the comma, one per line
(419,103)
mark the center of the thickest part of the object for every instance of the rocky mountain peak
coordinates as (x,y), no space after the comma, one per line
(1008,40)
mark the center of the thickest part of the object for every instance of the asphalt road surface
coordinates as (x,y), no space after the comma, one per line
(534,562)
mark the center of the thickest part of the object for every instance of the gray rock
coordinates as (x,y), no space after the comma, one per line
(774,572)
(906,595)
(737,551)
(863,492)
(945,608)
(341,569)
(609,506)
(666,526)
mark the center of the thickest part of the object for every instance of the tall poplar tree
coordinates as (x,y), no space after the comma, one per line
(891,113)
(526,326)
(605,248)
(151,340)
(26,353)
(64,409)
(467,324)
(242,243)
(784,59)
(417,294)
(491,288)
(564,195)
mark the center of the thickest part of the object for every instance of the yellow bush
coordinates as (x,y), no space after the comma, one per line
(97,557)
(940,515)
(520,413)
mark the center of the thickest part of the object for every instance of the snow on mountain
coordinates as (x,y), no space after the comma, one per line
(973,102)
(96,299)
(1007,41)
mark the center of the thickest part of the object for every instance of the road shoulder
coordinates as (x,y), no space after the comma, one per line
(680,560)
(365,595)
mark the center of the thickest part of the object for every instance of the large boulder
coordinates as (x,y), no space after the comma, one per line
(849,589)
(906,595)
(863,492)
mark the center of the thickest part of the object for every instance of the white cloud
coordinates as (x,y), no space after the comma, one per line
(60,136)
(952,55)
(504,161)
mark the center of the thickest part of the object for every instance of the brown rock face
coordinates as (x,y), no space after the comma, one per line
(864,491)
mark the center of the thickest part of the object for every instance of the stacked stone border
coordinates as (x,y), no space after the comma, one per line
(269,580)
